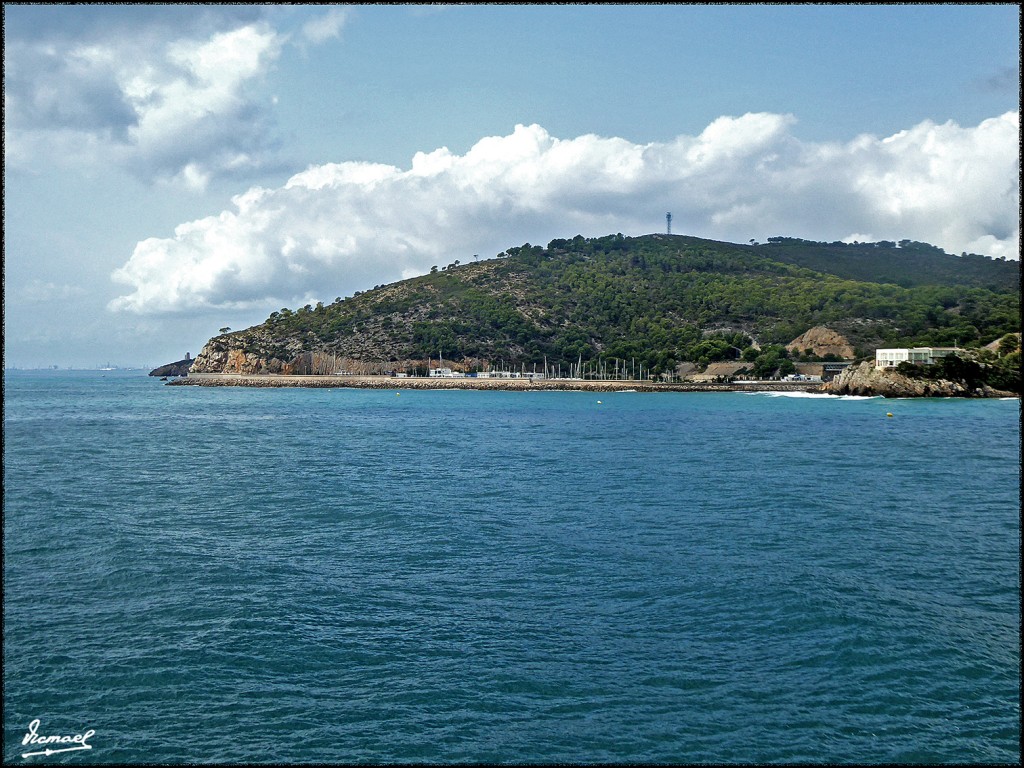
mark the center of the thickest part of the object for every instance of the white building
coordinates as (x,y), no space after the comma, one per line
(446,373)
(890,358)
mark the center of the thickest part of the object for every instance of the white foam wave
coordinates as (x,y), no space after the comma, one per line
(814,395)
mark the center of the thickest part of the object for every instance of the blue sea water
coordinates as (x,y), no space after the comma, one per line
(291,575)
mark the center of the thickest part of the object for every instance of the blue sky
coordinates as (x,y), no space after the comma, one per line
(171,170)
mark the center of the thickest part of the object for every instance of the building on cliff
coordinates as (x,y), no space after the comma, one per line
(890,358)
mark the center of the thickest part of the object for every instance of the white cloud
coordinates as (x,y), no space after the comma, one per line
(194,113)
(325,27)
(179,110)
(336,228)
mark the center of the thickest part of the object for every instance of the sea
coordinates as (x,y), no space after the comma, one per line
(231,575)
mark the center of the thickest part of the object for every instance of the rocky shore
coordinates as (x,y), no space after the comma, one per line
(178,368)
(865,379)
(508,385)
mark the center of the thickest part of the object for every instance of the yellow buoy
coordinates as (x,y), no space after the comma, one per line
(889,415)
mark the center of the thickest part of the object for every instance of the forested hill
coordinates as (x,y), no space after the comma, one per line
(655,299)
(907,263)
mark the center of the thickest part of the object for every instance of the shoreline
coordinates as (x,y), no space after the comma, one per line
(501,385)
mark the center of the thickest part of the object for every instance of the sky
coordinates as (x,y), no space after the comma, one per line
(172,170)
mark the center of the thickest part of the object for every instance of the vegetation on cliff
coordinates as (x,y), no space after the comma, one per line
(907,263)
(655,300)
(998,370)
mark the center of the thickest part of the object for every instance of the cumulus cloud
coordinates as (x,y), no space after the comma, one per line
(339,227)
(180,107)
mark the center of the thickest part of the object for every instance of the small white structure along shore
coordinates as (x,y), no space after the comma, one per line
(890,358)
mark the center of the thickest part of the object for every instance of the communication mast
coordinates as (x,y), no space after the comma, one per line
(668,222)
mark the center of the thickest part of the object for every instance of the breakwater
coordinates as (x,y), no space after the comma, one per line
(508,385)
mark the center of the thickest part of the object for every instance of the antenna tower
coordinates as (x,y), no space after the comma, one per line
(668,222)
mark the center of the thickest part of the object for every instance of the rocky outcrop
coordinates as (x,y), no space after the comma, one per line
(864,379)
(246,353)
(822,341)
(212,357)
(179,368)
(232,353)
(240,361)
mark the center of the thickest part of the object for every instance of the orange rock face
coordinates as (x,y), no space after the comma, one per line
(822,341)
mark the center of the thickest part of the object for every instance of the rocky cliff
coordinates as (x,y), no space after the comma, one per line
(254,351)
(227,354)
(864,379)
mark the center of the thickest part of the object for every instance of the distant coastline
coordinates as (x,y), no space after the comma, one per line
(507,385)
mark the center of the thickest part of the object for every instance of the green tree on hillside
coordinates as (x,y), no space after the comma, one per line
(1009,344)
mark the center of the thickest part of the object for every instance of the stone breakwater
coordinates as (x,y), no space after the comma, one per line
(506,385)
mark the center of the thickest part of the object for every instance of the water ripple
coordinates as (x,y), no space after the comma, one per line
(290,576)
